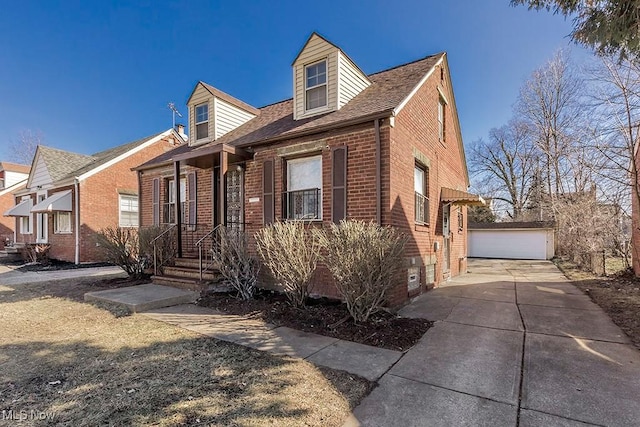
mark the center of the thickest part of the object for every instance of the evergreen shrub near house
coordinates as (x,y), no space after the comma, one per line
(121,246)
(364,259)
(290,253)
(237,267)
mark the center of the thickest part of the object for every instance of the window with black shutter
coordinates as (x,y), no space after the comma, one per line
(156,201)
(339,184)
(268,185)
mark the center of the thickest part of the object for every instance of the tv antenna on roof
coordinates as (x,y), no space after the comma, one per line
(175,111)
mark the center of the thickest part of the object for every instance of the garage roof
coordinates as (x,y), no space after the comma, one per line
(511,225)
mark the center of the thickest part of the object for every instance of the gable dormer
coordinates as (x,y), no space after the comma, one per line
(213,113)
(324,78)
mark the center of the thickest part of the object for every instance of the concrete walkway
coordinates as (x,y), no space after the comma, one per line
(363,360)
(10,275)
(515,344)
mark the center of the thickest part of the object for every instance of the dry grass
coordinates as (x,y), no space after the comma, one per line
(88,367)
(618,294)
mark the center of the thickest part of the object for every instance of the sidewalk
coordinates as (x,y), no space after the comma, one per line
(515,344)
(9,275)
(363,360)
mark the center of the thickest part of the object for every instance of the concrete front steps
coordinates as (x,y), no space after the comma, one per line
(143,297)
(11,253)
(185,274)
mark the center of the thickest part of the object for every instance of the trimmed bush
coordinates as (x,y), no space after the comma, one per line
(364,259)
(290,253)
(238,268)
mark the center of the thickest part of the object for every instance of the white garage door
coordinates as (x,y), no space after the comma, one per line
(510,244)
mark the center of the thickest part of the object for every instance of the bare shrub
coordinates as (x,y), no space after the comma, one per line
(37,253)
(364,259)
(238,268)
(290,253)
(121,246)
(165,244)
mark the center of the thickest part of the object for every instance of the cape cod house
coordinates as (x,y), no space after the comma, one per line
(384,147)
(69,196)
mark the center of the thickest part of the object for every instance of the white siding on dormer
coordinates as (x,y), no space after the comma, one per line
(227,117)
(315,50)
(40,176)
(351,81)
(199,97)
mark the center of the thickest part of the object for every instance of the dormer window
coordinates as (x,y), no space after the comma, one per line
(202,121)
(316,85)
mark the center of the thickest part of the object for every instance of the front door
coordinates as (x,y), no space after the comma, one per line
(446,228)
(42,222)
(235,199)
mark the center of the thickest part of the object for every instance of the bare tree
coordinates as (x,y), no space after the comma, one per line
(503,166)
(615,101)
(549,102)
(23,147)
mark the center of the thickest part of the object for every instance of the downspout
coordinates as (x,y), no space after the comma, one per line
(77,209)
(376,123)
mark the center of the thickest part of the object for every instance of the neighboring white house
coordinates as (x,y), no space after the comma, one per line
(511,240)
(12,173)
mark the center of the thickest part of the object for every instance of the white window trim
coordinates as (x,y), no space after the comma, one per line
(56,225)
(137,212)
(29,221)
(326,86)
(195,120)
(321,197)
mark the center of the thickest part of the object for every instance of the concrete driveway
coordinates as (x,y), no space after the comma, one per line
(515,344)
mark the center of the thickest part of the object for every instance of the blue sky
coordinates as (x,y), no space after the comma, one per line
(94,74)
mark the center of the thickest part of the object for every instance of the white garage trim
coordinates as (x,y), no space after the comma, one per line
(511,243)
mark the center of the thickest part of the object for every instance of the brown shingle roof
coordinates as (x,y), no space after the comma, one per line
(14,167)
(230,99)
(510,225)
(387,90)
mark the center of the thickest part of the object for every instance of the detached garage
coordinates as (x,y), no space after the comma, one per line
(511,240)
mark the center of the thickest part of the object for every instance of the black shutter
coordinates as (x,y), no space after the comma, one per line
(192,206)
(268,185)
(156,201)
(339,184)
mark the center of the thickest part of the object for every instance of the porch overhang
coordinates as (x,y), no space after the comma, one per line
(21,209)
(204,157)
(58,202)
(449,195)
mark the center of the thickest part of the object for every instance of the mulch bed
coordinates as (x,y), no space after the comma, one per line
(324,316)
(55,265)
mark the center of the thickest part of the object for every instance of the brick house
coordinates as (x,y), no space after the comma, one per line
(101,187)
(384,147)
(13,177)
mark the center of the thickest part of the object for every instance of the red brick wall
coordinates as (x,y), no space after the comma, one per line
(99,200)
(204,198)
(25,238)
(7,223)
(416,126)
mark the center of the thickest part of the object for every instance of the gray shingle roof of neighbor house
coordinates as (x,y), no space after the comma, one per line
(510,225)
(275,121)
(66,164)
